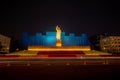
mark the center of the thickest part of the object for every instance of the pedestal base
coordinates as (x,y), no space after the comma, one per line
(58,43)
(62,48)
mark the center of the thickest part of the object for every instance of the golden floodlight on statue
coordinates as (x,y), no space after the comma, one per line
(58,37)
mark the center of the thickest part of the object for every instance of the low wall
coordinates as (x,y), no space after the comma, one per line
(63,48)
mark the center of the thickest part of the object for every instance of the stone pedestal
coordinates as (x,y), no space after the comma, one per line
(58,43)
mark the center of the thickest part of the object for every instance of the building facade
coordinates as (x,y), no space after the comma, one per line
(4,44)
(110,44)
(49,39)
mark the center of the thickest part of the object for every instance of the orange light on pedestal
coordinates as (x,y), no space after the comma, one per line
(62,48)
(58,43)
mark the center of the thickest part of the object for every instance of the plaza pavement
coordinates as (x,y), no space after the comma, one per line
(24,53)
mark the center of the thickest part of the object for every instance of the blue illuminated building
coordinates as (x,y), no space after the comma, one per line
(49,39)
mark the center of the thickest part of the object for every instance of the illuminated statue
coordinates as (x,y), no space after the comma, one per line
(58,37)
(58,33)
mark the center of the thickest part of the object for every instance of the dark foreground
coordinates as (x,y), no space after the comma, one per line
(60,72)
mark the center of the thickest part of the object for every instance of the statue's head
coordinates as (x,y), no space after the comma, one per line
(57,27)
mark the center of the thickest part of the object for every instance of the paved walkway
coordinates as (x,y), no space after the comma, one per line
(26,53)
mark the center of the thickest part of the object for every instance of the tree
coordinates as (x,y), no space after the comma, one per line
(1,46)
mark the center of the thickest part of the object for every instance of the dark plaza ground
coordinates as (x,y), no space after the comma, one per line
(27,65)
(60,72)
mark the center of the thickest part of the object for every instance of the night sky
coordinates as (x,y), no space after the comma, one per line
(73,16)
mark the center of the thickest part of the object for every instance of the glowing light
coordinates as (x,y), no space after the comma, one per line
(58,43)
(58,33)
(72,48)
(58,37)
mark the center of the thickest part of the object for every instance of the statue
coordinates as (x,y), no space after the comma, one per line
(58,37)
(58,33)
